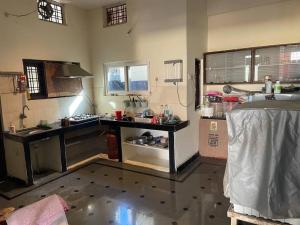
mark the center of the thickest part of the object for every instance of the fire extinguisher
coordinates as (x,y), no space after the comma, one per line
(22,82)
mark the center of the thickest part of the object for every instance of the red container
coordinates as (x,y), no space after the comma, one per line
(112,145)
(118,115)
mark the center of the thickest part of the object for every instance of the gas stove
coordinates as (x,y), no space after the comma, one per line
(83,118)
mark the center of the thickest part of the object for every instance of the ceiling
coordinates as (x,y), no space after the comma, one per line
(215,7)
(91,4)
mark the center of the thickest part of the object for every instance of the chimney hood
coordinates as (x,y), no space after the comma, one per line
(71,70)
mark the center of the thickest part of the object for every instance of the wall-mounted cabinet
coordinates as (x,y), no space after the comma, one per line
(228,67)
(281,62)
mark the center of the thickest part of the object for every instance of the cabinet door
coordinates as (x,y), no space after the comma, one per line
(280,62)
(228,67)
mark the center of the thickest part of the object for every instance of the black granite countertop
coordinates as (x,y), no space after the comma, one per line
(164,127)
(57,129)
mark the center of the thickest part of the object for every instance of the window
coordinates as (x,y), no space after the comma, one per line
(58,14)
(116,79)
(34,71)
(280,62)
(127,78)
(137,78)
(116,14)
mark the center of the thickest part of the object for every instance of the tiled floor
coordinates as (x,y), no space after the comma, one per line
(100,195)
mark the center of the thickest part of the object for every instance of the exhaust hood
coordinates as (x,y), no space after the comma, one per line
(71,70)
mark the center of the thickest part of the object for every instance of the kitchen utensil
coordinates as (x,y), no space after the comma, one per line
(148,113)
(148,135)
(118,115)
(207,112)
(164,140)
(218,109)
(141,140)
(65,122)
(43,122)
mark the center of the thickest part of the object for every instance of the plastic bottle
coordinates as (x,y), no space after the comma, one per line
(166,111)
(268,85)
(12,128)
(161,113)
(277,87)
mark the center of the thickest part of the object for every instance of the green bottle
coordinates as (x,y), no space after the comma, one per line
(277,87)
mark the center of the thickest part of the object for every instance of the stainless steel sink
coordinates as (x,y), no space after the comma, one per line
(32,130)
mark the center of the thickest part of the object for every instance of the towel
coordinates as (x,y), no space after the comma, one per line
(49,211)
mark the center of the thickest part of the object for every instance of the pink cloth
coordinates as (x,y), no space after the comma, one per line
(45,212)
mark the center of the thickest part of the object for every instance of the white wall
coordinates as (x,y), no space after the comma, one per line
(267,24)
(29,37)
(158,34)
(196,46)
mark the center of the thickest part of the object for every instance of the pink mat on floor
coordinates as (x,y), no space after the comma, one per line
(49,211)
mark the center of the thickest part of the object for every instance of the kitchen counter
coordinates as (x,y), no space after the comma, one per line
(164,127)
(31,141)
(56,129)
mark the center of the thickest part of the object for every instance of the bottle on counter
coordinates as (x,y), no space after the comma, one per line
(12,128)
(161,112)
(166,111)
(277,87)
(268,85)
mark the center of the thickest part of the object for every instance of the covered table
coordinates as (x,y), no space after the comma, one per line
(263,168)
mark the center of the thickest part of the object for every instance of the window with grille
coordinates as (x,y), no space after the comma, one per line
(35,78)
(58,14)
(116,15)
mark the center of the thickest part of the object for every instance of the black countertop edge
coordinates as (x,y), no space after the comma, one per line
(212,118)
(56,129)
(164,127)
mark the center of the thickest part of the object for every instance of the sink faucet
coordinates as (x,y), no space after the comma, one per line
(23,115)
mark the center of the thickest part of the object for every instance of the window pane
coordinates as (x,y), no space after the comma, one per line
(116,79)
(138,78)
(281,63)
(229,67)
(33,79)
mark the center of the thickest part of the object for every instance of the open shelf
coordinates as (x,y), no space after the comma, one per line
(150,147)
(146,156)
(160,164)
(152,157)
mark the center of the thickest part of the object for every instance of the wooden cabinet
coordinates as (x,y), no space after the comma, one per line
(281,62)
